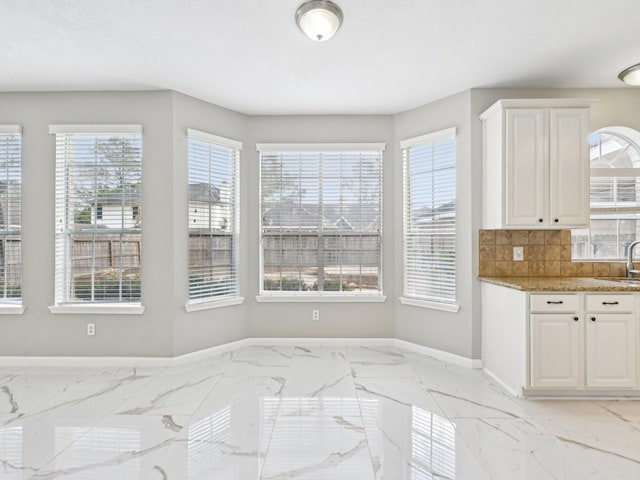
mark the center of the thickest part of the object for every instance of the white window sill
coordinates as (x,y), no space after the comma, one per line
(320,298)
(9,309)
(99,309)
(209,304)
(445,307)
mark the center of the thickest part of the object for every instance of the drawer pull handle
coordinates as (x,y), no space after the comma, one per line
(575,319)
(559,302)
(610,303)
(593,319)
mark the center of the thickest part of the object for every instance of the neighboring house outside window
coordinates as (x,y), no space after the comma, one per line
(321,215)
(615,196)
(98,243)
(429,218)
(10,216)
(213,215)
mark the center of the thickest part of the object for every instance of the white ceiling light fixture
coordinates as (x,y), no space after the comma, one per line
(631,75)
(319,19)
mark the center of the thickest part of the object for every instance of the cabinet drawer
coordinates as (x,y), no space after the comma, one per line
(610,303)
(555,303)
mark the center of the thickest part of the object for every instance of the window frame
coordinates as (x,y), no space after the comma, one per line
(632,137)
(406,145)
(7,305)
(61,304)
(275,296)
(194,305)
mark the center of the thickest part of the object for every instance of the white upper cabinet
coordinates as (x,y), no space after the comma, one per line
(536,164)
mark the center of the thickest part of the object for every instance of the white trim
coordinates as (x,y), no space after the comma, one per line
(445,307)
(433,137)
(194,134)
(439,354)
(99,309)
(209,304)
(537,103)
(86,361)
(313,298)
(499,381)
(615,172)
(234,345)
(321,147)
(10,129)
(209,352)
(321,341)
(11,309)
(96,129)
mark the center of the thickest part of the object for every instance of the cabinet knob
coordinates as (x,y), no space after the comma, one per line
(556,220)
(575,319)
(540,220)
(551,302)
(593,319)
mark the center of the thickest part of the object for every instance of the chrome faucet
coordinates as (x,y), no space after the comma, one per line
(630,271)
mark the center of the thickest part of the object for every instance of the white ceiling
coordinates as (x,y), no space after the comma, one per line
(249,56)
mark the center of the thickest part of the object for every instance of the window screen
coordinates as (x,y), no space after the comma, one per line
(98,237)
(430,217)
(213,203)
(10,214)
(321,210)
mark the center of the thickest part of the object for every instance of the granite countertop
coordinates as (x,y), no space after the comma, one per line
(564,284)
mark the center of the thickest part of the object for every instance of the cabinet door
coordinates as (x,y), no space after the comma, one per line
(525,165)
(569,167)
(611,350)
(555,351)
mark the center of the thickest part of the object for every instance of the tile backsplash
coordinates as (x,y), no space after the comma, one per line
(547,253)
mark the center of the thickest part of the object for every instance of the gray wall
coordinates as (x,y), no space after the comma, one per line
(336,319)
(38,332)
(198,330)
(452,332)
(165,329)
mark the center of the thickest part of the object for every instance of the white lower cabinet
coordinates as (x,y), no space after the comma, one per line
(556,340)
(611,350)
(562,344)
(593,346)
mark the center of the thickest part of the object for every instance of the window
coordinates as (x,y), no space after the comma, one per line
(321,211)
(615,196)
(429,214)
(213,199)
(10,215)
(98,242)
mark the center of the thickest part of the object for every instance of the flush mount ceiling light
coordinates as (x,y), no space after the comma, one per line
(319,19)
(631,75)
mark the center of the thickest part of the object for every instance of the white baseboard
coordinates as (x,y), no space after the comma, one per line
(210,352)
(86,361)
(304,341)
(499,381)
(227,347)
(439,354)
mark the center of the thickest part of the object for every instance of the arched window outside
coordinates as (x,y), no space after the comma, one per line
(615,196)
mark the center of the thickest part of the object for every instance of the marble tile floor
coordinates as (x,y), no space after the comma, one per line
(302,412)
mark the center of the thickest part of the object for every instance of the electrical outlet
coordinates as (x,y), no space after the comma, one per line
(315,315)
(518,254)
(91,328)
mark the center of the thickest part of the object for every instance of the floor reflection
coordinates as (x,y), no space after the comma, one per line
(305,413)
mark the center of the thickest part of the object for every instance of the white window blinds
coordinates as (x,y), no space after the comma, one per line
(321,211)
(430,217)
(213,203)
(98,213)
(10,214)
